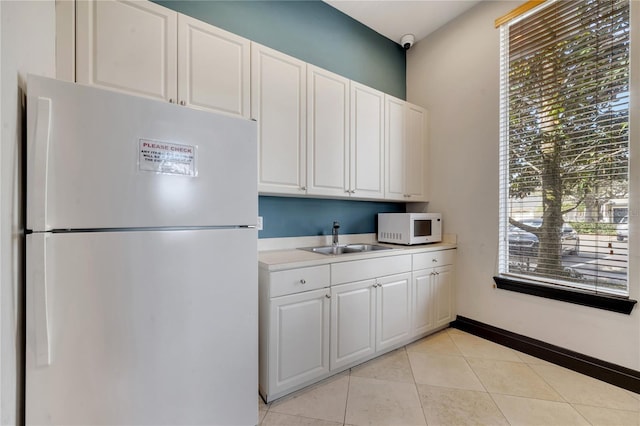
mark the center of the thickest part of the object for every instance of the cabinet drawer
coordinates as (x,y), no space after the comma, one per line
(433,258)
(345,272)
(299,280)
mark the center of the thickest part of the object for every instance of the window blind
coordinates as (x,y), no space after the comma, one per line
(564,144)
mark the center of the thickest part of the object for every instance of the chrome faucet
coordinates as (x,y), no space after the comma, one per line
(334,233)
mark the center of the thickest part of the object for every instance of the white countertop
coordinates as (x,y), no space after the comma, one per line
(275,260)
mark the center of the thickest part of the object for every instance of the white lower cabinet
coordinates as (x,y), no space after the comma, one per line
(422,300)
(433,291)
(370,307)
(393,320)
(443,295)
(353,323)
(368,317)
(317,321)
(294,309)
(300,338)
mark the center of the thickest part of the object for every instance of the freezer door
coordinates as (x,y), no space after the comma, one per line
(154,328)
(101,159)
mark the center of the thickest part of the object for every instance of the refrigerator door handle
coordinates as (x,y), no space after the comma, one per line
(37,284)
(37,179)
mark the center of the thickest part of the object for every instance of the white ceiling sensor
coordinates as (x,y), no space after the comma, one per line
(397,18)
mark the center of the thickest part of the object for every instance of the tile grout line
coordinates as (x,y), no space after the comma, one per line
(473,371)
(491,395)
(498,407)
(483,386)
(346,402)
(550,385)
(563,401)
(415,384)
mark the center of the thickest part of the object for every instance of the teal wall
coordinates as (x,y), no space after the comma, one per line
(311,31)
(316,33)
(293,217)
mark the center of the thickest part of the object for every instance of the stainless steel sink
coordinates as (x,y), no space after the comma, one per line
(350,248)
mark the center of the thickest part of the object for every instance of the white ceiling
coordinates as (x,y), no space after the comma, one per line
(395,18)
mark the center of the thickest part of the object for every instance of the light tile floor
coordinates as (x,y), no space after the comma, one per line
(455,378)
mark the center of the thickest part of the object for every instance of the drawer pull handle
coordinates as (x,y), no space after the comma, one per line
(303,281)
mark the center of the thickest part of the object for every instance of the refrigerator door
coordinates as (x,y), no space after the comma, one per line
(100,159)
(142,327)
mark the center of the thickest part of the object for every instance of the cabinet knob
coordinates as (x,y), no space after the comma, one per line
(303,188)
(328,296)
(434,260)
(182,103)
(170,100)
(303,281)
(353,191)
(347,191)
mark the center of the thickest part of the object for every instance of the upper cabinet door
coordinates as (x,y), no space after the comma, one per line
(417,153)
(395,119)
(213,68)
(278,103)
(367,142)
(327,133)
(129,46)
(406,151)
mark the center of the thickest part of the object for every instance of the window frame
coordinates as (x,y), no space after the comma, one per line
(571,292)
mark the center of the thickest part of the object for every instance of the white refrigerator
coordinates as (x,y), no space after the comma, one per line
(141,281)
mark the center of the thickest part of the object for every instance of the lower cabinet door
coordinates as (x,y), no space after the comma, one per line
(299,336)
(393,320)
(423,316)
(443,295)
(352,322)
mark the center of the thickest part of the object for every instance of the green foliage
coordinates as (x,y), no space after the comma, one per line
(594,228)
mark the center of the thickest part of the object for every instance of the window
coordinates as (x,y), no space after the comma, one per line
(564,145)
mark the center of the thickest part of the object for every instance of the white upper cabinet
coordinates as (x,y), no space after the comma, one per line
(319,134)
(406,151)
(213,68)
(366,175)
(127,46)
(278,104)
(417,183)
(395,146)
(345,138)
(144,49)
(327,133)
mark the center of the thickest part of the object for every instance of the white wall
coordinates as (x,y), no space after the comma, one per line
(455,74)
(27,45)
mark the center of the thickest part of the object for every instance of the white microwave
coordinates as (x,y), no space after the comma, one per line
(409,228)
